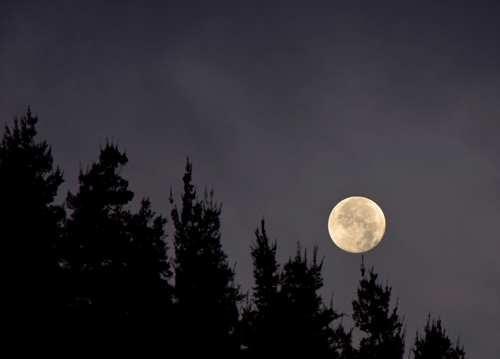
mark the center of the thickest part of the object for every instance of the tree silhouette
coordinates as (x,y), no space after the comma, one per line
(287,315)
(148,268)
(149,293)
(266,271)
(206,294)
(118,260)
(384,336)
(261,320)
(306,320)
(102,275)
(435,343)
(342,347)
(31,226)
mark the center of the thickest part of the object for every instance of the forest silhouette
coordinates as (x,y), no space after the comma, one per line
(91,273)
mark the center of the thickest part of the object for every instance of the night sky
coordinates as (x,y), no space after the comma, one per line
(285,109)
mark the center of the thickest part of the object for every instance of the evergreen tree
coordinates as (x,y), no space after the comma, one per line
(435,343)
(260,319)
(266,271)
(342,347)
(306,320)
(206,294)
(118,259)
(31,226)
(384,336)
(287,315)
(148,269)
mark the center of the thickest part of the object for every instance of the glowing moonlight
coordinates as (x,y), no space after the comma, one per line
(356,224)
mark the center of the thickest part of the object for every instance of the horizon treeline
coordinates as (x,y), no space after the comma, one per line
(91,272)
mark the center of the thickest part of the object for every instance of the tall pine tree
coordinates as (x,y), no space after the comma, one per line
(118,259)
(31,226)
(435,343)
(381,325)
(261,320)
(287,315)
(206,294)
(306,320)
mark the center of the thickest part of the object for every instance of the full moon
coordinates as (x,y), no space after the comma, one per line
(356,224)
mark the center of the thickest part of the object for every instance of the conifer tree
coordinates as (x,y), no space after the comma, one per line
(266,270)
(118,259)
(148,291)
(342,347)
(306,320)
(381,325)
(97,237)
(260,320)
(435,343)
(31,226)
(206,294)
(287,315)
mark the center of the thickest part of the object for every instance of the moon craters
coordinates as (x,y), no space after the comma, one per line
(356,224)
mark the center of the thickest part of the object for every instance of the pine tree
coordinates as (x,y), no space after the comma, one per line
(342,347)
(31,226)
(266,270)
(148,291)
(306,320)
(148,268)
(206,294)
(435,343)
(384,336)
(260,319)
(118,259)
(287,315)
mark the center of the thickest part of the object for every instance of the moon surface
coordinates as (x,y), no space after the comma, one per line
(356,224)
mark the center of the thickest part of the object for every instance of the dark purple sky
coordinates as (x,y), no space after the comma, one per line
(285,110)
